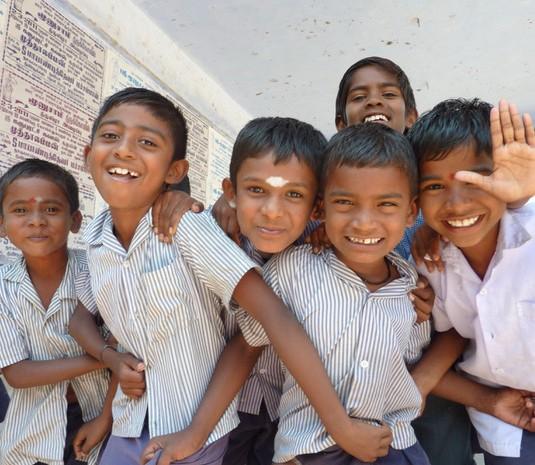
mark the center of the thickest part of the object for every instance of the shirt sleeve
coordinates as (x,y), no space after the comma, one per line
(418,341)
(13,346)
(216,261)
(82,282)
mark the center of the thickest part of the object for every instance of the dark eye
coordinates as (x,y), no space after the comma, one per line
(109,135)
(390,94)
(358,98)
(388,204)
(295,195)
(19,210)
(343,202)
(147,142)
(255,190)
(433,187)
(52,209)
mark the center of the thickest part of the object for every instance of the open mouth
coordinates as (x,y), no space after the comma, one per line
(380,118)
(123,172)
(464,222)
(364,241)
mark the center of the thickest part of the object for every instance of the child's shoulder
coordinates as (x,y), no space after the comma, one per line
(296,260)
(95,228)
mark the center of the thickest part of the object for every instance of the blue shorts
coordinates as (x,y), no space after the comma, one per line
(527,453)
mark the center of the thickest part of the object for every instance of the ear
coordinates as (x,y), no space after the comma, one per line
(87,151)
(228,192)
(76,219)
(340,123)
(2,227)
(413,211)
(176,172)
(410,118)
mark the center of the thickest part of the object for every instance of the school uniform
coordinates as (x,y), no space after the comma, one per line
(39,418)
(497,315)
(365,340)
(164,304)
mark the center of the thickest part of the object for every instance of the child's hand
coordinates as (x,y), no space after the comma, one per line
(167,211)
(515,407)
(425,249)
(129,370)
(513,151)
(173,447)
(226,218)
(364,441)
(89,435)
(318,239)
(422,298)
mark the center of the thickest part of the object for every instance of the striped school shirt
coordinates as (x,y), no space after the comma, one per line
(164,304)
(364,338)
(34,428)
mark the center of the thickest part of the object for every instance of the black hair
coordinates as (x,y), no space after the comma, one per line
(451,124)
(161,107)
(285,137)
(370,145)
(35,168)
(388,66)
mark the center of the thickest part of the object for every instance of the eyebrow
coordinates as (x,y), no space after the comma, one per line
(382,84)
(142,127)
(25,201)
(474,169)
(388,195)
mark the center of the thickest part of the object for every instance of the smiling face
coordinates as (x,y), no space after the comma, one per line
(273,201)
(37,218)
(130,158)
(374,95)
(366,211)
(465,215)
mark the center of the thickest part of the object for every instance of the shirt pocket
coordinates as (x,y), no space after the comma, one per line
(169,307)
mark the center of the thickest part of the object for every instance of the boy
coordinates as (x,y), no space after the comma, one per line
(163,302)
(273,183)
(485,242)
(38,293)
(352,299)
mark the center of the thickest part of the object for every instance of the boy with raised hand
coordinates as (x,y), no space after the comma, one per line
(485,242)
(55,385)
(162,302)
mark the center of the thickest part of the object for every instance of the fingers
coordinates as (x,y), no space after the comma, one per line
(478,180)
(518,125)
(528,127)
(156,209)
(132,362)
(149,452)
(77,445)
(495,128)
(422,308)
(506,122)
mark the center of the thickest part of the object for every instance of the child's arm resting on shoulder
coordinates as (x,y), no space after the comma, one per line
(93,432)
(128,369)
(232,370)
(513,151)
(300,357)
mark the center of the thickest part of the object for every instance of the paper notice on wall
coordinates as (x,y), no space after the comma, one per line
(51,81)
(220,151)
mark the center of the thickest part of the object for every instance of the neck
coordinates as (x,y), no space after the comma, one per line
(375,274)
(125,222)
(480,254)
(49,268)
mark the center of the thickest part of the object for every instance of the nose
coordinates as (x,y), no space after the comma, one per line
(271,208)
(124,148)
(458,196)
(37,218)
(363,220)
(374,98)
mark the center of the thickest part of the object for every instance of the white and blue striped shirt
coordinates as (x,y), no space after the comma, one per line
(164,304)
(364,338)
(34,428)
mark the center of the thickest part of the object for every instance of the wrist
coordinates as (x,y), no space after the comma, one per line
(485,401)
(199,433)
(108,356)
(424,383)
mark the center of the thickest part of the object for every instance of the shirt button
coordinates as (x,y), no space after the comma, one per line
(262,371)
(364,364)
(499,371)
(483,292)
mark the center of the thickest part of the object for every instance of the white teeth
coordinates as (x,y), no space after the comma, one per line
(123,172)
(375,118)
(464,223)
(367,241)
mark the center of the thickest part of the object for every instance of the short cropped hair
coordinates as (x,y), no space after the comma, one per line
(370,145)
(161,107)
(284,137)
(451,124)
(35,168)
(387,65)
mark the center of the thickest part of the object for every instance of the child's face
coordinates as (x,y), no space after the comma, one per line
(130,157)
(366,211)
(273,201)
(374,95)
(37,218)
(460,212)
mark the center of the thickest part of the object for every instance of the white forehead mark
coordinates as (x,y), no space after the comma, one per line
(276,181)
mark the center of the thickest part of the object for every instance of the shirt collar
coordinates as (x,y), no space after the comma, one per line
(402,285)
